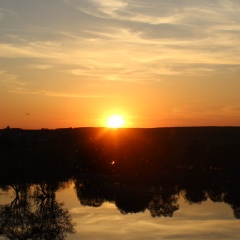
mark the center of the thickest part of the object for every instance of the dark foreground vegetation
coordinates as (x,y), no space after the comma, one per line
(137,169)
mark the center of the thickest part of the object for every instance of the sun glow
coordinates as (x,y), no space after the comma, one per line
(115,121)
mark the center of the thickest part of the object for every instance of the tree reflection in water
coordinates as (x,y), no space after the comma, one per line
(16,218)
(164,203)
(35,214)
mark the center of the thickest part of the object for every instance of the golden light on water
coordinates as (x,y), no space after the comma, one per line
(115,121)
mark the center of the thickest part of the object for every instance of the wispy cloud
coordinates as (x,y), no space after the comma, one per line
(56,94)
(157,12)
(40,66)
(152,38)
(4,13)
(1,15)
(232,108)
(10,81)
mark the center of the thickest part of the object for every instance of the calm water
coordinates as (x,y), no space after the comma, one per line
(54,217)
(122,184)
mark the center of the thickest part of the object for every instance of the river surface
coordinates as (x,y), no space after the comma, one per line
(207,220)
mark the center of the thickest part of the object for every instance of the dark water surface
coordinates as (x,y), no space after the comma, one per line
(97,183)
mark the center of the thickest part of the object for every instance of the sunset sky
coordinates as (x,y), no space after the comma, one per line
(73,63)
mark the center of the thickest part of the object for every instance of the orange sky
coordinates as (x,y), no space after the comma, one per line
(72,63)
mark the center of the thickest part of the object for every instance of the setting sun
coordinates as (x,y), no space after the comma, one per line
(115,121)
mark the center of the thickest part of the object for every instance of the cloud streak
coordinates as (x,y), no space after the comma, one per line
(131,32)
(57,94)
(10,81)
